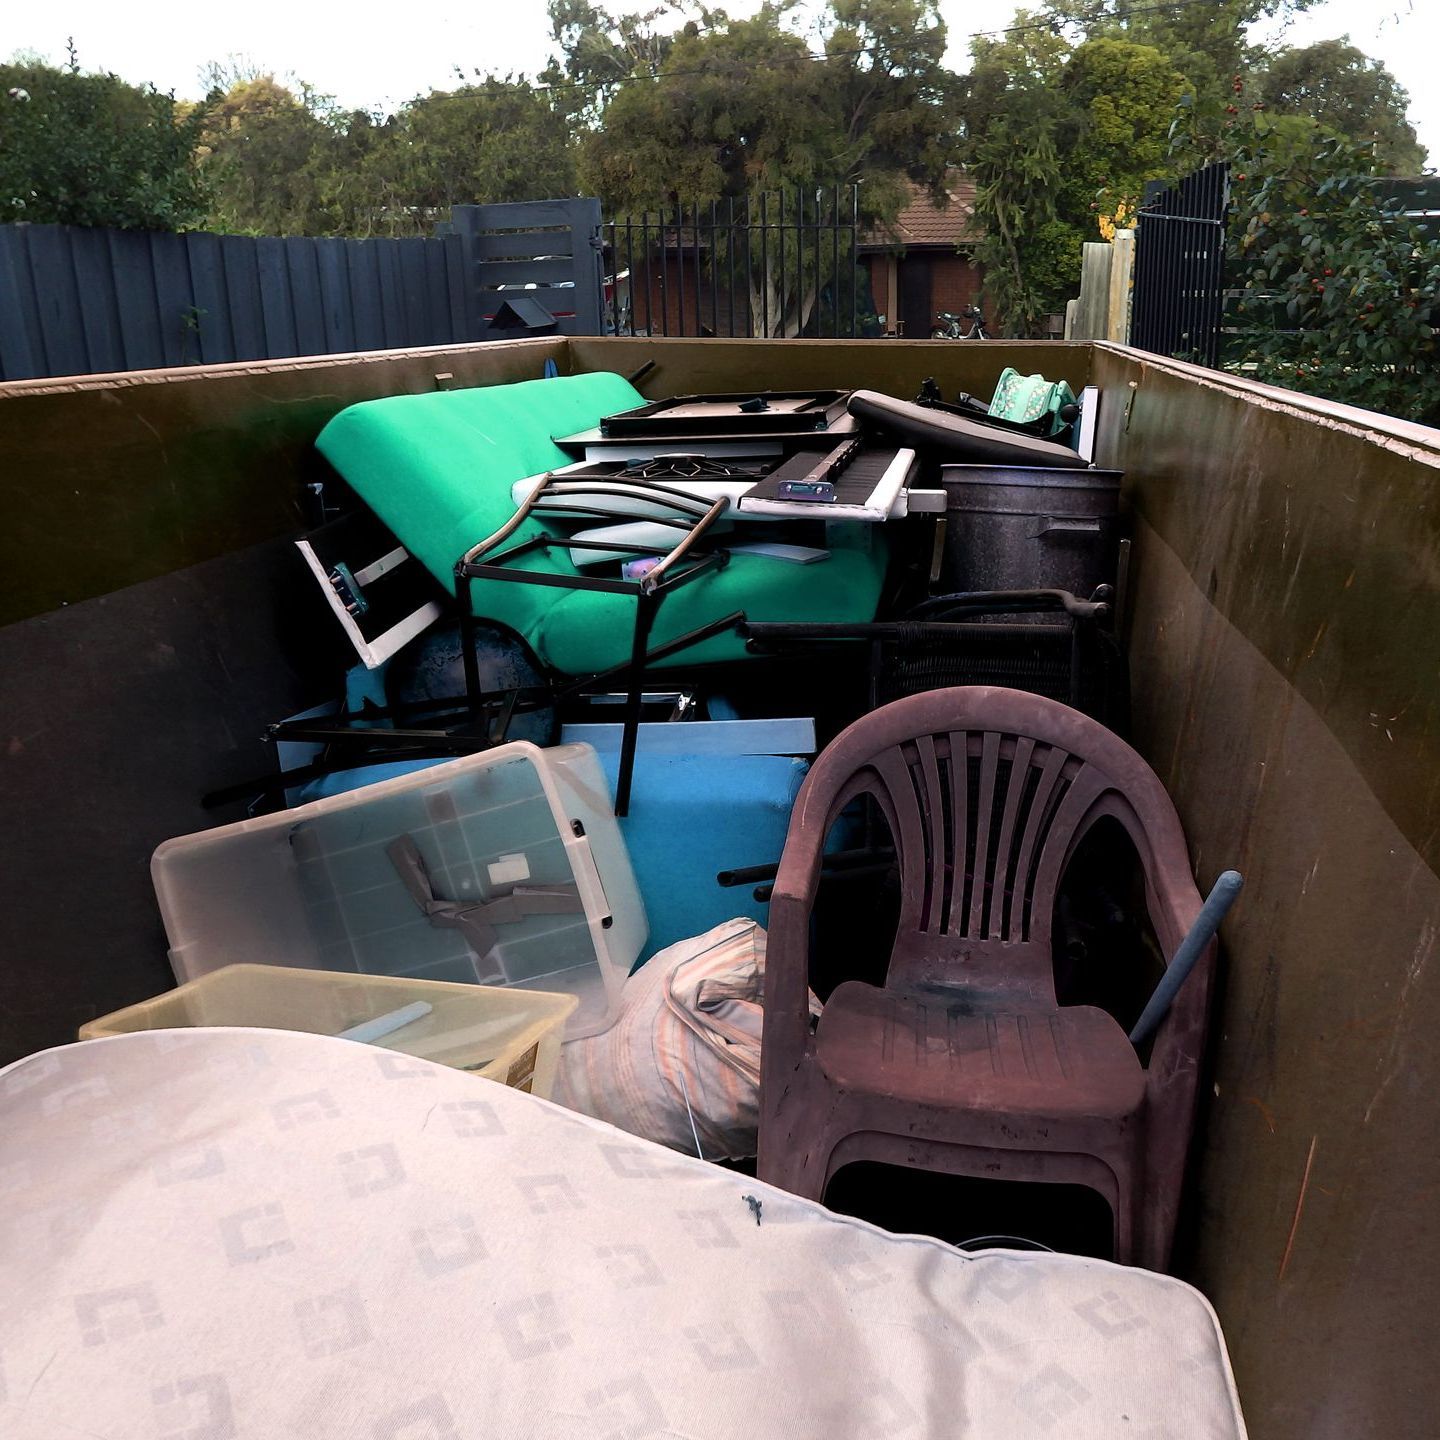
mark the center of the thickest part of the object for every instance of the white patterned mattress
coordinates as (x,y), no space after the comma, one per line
(207,1234)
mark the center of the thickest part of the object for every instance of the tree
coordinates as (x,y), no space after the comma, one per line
(1208,43)
(1349,94)
(1119,97)
(598,52)
(80,149)
(739,107)
(262,152)
(1011,111)
(495,141)
(1342,287)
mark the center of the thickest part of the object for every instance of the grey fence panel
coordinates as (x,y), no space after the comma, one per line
(461,293)
(303,270)
(79,301)
(334,260)
(136,300)
(18,357)
(99,313)
(175,300)
(436,287)
(387,270)
(212,306)
(547,270)
(57,299)
(523,244)
(242,287)
(414,292)
(528,214)
(553,245)
(277,305)
(363,267)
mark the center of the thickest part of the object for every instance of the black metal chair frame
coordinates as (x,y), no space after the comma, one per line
(477,720)
(947,617)
(687,559)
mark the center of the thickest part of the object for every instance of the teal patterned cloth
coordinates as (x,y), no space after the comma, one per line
(1023,398)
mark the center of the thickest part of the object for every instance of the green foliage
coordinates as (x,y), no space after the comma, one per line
(279,163)
(1114,134)
(1349,94)
(264,158)
(1341,288)
(81,149)
(738,107)
(1012,110)
(492,142)
(597,52)
(733,110)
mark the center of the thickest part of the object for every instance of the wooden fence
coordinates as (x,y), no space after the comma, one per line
(79,301)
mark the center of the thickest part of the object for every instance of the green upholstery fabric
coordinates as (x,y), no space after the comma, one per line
(438,470)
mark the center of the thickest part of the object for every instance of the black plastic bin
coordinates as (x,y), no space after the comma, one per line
(1021,528)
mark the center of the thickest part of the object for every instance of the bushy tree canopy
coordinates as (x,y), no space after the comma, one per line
(1341,287)
(82,149)
(739,106)
(1349,94)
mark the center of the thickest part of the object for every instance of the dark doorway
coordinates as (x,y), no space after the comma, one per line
(915,311)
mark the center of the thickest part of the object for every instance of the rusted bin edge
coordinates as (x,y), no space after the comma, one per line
(1285,653)
(106,480)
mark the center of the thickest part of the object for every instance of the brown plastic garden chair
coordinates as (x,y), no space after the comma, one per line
(963,1061)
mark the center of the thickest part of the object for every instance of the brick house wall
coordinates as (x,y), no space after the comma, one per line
(924,261)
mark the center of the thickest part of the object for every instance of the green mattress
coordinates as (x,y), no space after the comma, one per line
(438,470)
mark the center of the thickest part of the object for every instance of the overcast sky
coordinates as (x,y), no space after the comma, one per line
(373,56)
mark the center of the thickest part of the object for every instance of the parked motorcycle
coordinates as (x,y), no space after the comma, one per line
(952,327)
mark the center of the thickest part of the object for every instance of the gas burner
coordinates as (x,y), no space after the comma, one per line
(688,467)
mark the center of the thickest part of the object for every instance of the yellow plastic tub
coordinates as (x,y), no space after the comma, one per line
(510,1035)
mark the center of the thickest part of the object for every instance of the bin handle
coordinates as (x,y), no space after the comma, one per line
(1066,526)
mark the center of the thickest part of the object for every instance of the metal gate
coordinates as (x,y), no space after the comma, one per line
(1179,266)
(779,264)
(544,251)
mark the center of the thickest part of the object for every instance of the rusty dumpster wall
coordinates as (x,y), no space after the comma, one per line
(1285,654)
(1284,650)
(108,480)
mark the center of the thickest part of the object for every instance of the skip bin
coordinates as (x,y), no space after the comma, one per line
(1019,528)
(512,1036)
(502,868)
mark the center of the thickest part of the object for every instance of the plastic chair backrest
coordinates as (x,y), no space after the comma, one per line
(983,844)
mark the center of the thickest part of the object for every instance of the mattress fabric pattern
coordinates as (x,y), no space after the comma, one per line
(235,1233)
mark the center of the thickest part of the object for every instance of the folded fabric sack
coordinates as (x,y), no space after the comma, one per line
(681,1065)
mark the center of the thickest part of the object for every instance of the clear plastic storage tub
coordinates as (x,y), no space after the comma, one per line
(503,868)
(512,1036)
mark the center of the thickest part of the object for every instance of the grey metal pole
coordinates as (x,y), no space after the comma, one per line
(1207,922)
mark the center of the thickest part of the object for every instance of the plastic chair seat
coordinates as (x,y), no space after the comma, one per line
(943,1048)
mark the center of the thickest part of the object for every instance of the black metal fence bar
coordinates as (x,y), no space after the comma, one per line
(774,264)
(1179,267)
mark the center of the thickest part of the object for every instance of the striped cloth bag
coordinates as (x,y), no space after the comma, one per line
(681,1064)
